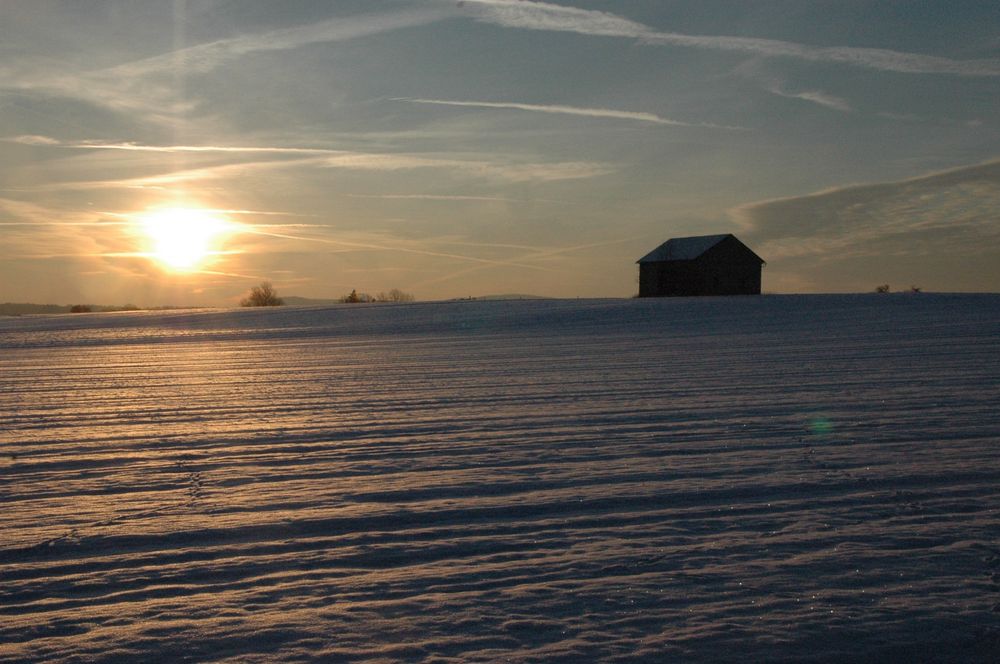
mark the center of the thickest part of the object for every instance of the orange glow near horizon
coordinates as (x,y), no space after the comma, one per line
(184,239)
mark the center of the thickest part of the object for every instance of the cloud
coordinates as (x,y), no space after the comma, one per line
(32,139)
(547,16)
(176,149)
(165,180)
(443,197)
(61,224)
(205,57)
(39,236)
(567,110)
(234,149)
(373,242)
(151,85)
(901,117)
(814,96)
(511,170)
(23,211)
(529,255)
(33,230)
(154,86)
(952,211)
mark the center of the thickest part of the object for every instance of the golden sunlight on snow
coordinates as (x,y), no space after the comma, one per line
(184,239)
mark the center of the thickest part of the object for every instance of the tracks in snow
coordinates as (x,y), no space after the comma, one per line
(630,480)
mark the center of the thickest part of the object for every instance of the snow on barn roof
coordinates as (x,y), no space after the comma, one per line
(683,248)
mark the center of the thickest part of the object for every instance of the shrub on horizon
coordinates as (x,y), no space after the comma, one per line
(395,295)
(262,296)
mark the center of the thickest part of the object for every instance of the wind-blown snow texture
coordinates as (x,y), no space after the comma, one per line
(764,478)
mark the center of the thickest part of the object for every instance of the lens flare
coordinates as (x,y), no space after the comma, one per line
(820,426)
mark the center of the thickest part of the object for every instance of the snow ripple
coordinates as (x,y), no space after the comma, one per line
(780,478)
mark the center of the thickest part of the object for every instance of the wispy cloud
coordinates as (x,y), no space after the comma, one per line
(234,212)
(32,139)
(637,116)
(530,15)
(208,56)
(529,255)
(172,149)
(511,169)
(22,211)
(30,229)
(177,177)
(67,224)
(397,246)
(151,85)
(813,96)
(442,197)
(547,16)
(951,211)
(36,236)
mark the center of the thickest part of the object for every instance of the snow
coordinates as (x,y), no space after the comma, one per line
(777,478)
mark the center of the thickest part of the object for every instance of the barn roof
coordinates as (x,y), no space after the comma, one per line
(683,248)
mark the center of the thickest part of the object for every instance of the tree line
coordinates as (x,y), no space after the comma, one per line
(395,295)
(265,295)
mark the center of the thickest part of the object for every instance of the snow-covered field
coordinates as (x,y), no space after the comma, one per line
(762,478)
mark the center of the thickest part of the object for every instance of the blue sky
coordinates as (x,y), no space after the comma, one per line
(494,146)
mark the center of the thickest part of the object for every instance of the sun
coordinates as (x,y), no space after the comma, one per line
(184,239)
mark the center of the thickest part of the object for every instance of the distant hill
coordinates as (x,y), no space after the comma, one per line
(509,296)
(25,308)
(296,301)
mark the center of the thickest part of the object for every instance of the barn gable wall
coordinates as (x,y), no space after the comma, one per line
(727,268)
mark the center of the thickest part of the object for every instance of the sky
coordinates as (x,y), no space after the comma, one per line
(180,151)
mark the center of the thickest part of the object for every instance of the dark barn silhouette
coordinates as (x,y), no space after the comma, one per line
(701,265)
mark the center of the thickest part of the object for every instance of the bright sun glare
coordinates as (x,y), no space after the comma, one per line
(183,239)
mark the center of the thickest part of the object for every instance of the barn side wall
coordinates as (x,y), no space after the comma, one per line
(670,279)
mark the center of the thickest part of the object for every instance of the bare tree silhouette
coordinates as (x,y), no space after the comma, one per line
(395,295)
(262,296)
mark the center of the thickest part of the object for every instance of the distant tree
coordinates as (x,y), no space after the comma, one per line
(80,309)
(395,295)
(884,288)
(262,296)
(916,289)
